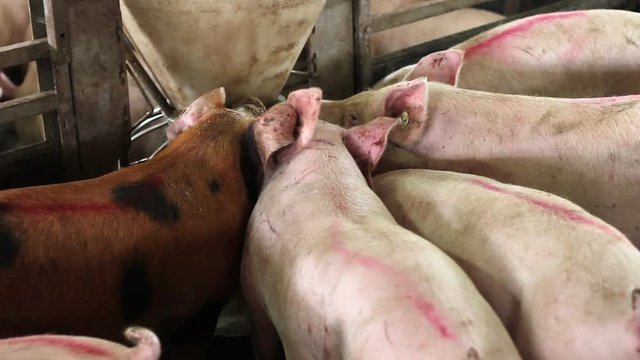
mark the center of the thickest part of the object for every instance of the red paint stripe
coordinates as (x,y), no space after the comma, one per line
(64,342)
(419,302)
(47,209)
(523,26)
(556,209)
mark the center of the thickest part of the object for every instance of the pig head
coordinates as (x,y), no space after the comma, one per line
(406,101)
(288,128)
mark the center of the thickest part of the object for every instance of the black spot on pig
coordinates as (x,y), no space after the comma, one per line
(135,291)
(9,243)
(472,354)
(250,165)
(630,41)
(561,128)
(635,298)
(214,186)
(148,198)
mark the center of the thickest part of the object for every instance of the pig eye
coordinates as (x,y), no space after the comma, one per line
(352,119)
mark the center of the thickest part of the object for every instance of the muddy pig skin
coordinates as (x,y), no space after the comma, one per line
(328,271)
(156,244)
(575,54)
(586,150)
(566,284)
(59,347)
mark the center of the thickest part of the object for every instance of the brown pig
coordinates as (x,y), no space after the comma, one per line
(60,347)
(157,244)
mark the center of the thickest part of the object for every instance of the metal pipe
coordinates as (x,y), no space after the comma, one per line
(146,121)
(147,84)
(417,13)
(150,129)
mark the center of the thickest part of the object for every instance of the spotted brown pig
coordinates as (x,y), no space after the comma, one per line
(157,244)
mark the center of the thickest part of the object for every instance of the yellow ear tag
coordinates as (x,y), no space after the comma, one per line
(404,119)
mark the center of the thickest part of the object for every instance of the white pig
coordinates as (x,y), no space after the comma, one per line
(63,347)
(328,270)
(587,53)
(587,150)
(566,284)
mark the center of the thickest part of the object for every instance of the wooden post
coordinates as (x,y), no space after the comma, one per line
(330,59)
(55,72)
(98,83)
(362,43)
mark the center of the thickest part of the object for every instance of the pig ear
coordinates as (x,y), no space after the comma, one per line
(442,66)
(287,128)
(367,143)
(408,100)
(307,104)
(196,111)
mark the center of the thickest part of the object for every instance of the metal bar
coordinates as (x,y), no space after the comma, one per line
(387,63)
(416,13)
(330,60)
(23,52)
(362,43)
(12,156)
(137,81)
(150,129)
(57,32)
(31,105)
(148,118)
(510,7)
(44,66)
(144,80)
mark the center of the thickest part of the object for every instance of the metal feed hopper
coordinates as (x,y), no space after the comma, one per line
(193,46)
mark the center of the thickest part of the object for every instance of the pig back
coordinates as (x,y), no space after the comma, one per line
(529,253)
(575,54)
(156,244)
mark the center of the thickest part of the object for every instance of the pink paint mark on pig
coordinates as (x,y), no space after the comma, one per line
(556,209)
(521,28)
(48,209)
(426,308)
(70,344)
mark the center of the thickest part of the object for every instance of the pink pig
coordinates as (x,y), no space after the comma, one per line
(587,150)
(565,54)
(328,271)
(61,347)
(565,284)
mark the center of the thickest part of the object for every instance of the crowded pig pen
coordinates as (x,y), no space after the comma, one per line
(319,179)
